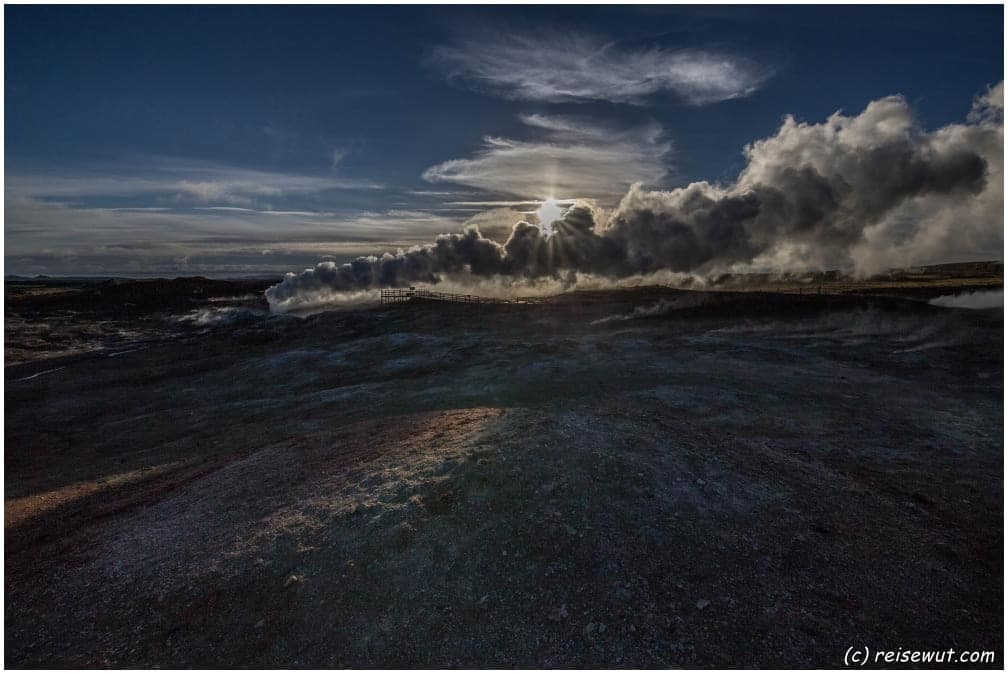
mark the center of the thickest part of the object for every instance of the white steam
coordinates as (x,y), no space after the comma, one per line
(862,193)
(982,299)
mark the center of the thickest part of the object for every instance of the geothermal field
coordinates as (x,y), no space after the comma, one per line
(758,472)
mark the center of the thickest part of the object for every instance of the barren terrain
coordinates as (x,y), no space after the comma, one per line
(646,478)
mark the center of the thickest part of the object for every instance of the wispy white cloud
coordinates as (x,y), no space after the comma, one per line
(493,204)
(49,237)
(568,66)
(570,158)
(176,180)
(338,155)
(266,212)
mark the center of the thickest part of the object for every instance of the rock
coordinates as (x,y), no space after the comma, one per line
(293,580)
(702,604)
(559,614)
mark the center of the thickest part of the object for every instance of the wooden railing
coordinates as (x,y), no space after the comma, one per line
(403,295)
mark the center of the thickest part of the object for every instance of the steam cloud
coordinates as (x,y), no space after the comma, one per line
(983,299)
(865,192)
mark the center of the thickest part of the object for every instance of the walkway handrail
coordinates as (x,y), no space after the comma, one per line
(403,295)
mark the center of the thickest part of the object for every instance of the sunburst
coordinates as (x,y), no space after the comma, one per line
(549,211)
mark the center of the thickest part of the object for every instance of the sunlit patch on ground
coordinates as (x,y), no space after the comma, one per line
(19,510)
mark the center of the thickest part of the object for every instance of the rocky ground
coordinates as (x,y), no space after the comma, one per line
(641,478)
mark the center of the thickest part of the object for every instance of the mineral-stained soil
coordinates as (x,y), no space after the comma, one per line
(640,478)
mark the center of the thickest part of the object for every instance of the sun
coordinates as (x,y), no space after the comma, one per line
(549,211)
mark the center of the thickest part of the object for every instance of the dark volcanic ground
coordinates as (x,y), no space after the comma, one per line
(637,478)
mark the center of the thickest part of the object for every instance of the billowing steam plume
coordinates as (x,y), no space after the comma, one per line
(864,193)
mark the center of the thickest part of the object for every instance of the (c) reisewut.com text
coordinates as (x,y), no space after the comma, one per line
(866,657)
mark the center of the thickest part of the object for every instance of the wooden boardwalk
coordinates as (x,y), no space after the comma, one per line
(404,295)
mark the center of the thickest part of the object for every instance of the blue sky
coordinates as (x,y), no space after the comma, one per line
(246,139)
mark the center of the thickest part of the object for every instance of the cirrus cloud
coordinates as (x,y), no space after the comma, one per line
(571,67)
(177,180)
(570,157)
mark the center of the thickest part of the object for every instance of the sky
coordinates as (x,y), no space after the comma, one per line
(238,140)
